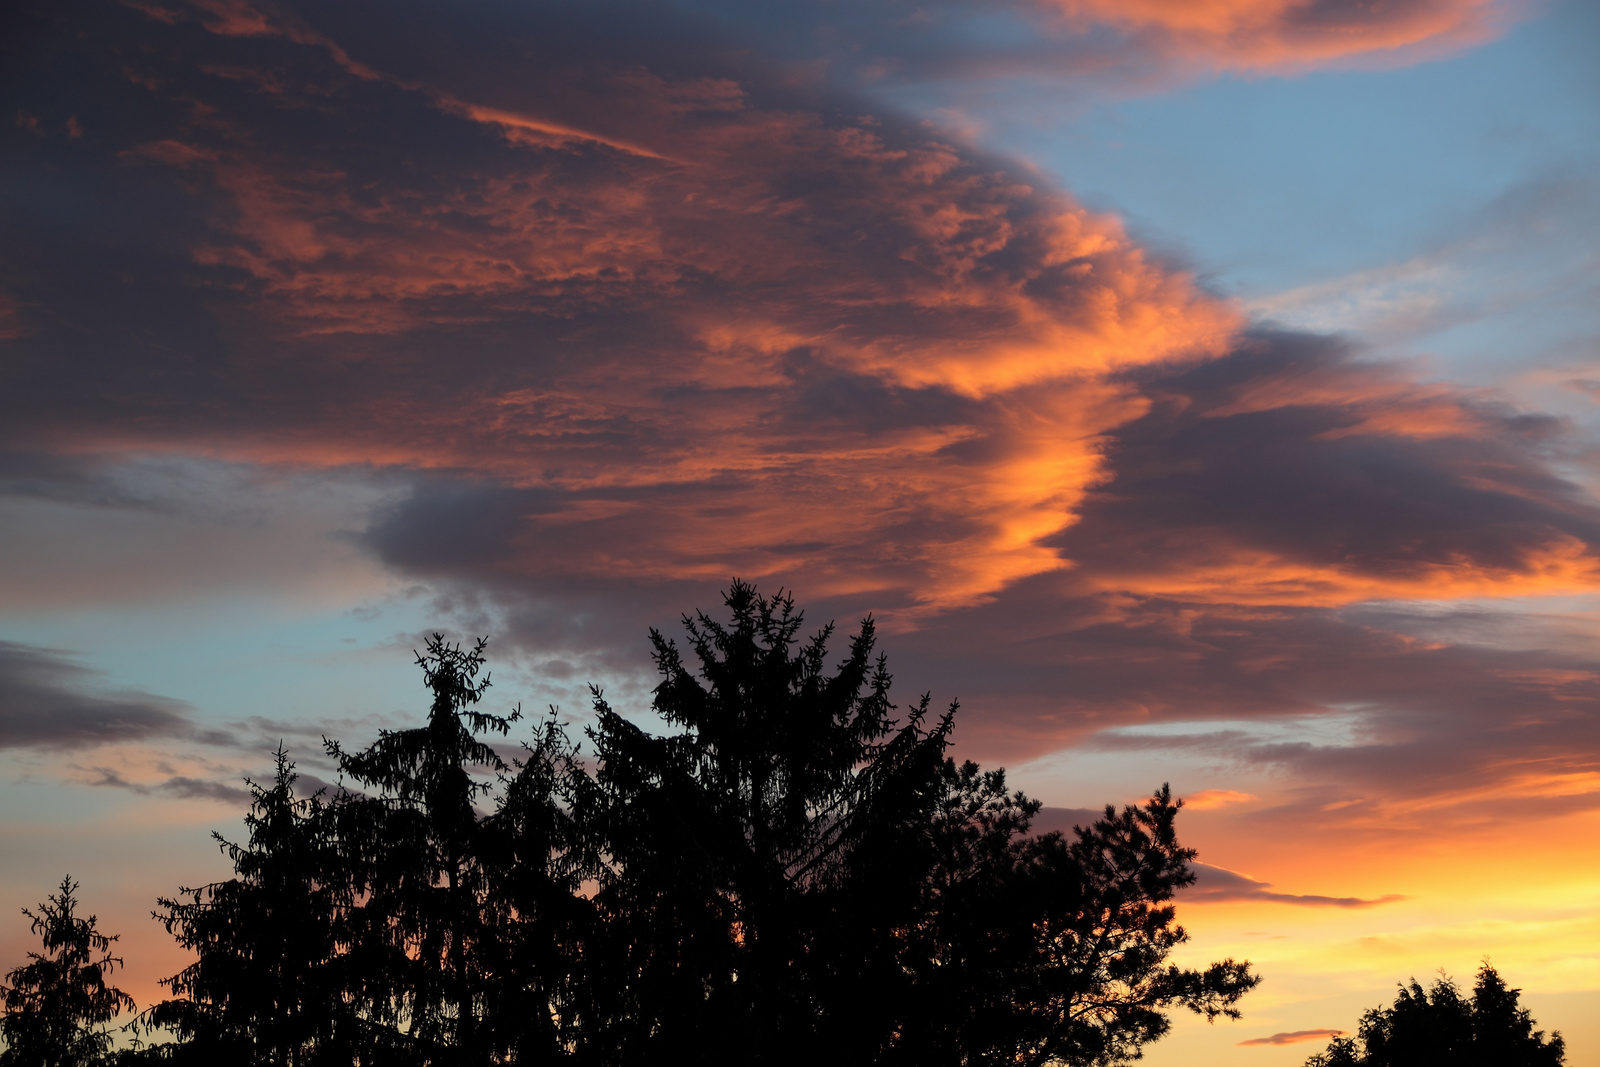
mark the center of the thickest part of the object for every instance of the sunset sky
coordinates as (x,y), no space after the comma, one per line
(1203,391)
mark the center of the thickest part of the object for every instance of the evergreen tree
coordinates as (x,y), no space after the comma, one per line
(795,873)
(1438,1027)
(420,937)
(57,1004)
(267,986)
(794,870)
(536,856)
(1049,949)
(724,839)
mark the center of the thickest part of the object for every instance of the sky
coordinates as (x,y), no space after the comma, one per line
(1201,392)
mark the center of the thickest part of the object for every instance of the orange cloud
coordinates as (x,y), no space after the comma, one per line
(1209,799)
(791,254)
(1212,570)
(1290,35)
(680,324)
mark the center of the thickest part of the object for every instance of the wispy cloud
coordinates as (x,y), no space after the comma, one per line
(1211,799)
(1293,1037)
(1129,44)
(1217,884)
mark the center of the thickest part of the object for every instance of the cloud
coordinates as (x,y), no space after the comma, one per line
(1126,45)
(130,527)
(1293,473)
(587,319)
(1218,885)
(653,318)
(694,286)
(1522,257)
(179,787)
(1210,799)
(49,701)
(1292,1037)
(1288,35)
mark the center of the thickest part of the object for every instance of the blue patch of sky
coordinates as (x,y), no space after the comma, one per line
(1274,182)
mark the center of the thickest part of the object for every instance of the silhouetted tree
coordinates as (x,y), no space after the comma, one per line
(1050,949)
(57,1004)
(420,938)
(268,984)
(539,923)
(796,872)
(726,838)
(1438,1027)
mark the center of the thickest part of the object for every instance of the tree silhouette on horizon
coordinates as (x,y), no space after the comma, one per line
(787,866)
(1438,1027)
(418,933)
(797,871)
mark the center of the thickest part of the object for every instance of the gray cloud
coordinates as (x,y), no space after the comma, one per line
(1218,884)
(176,786)
(47,700)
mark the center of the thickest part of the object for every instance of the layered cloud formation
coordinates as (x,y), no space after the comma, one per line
(627,306)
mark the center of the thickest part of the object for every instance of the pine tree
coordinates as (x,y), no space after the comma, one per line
(420,938)
(724,837)
(536,856)
(267,986)
(1051,949)
(57,1005)
(795,872)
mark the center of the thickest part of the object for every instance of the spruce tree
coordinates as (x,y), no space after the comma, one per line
(267,986)
(536,855)
(420,937)
(725,836)
(794,872)
(57,1005)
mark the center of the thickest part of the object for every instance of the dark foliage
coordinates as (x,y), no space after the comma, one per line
(268,983)
(759,859)
(1438,1027)
(57,1004)
(419,938)
(1047,949)
(794,870)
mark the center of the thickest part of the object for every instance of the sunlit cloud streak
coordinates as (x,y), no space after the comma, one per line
(1126,44)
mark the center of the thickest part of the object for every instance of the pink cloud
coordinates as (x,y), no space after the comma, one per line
(1293,1037)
